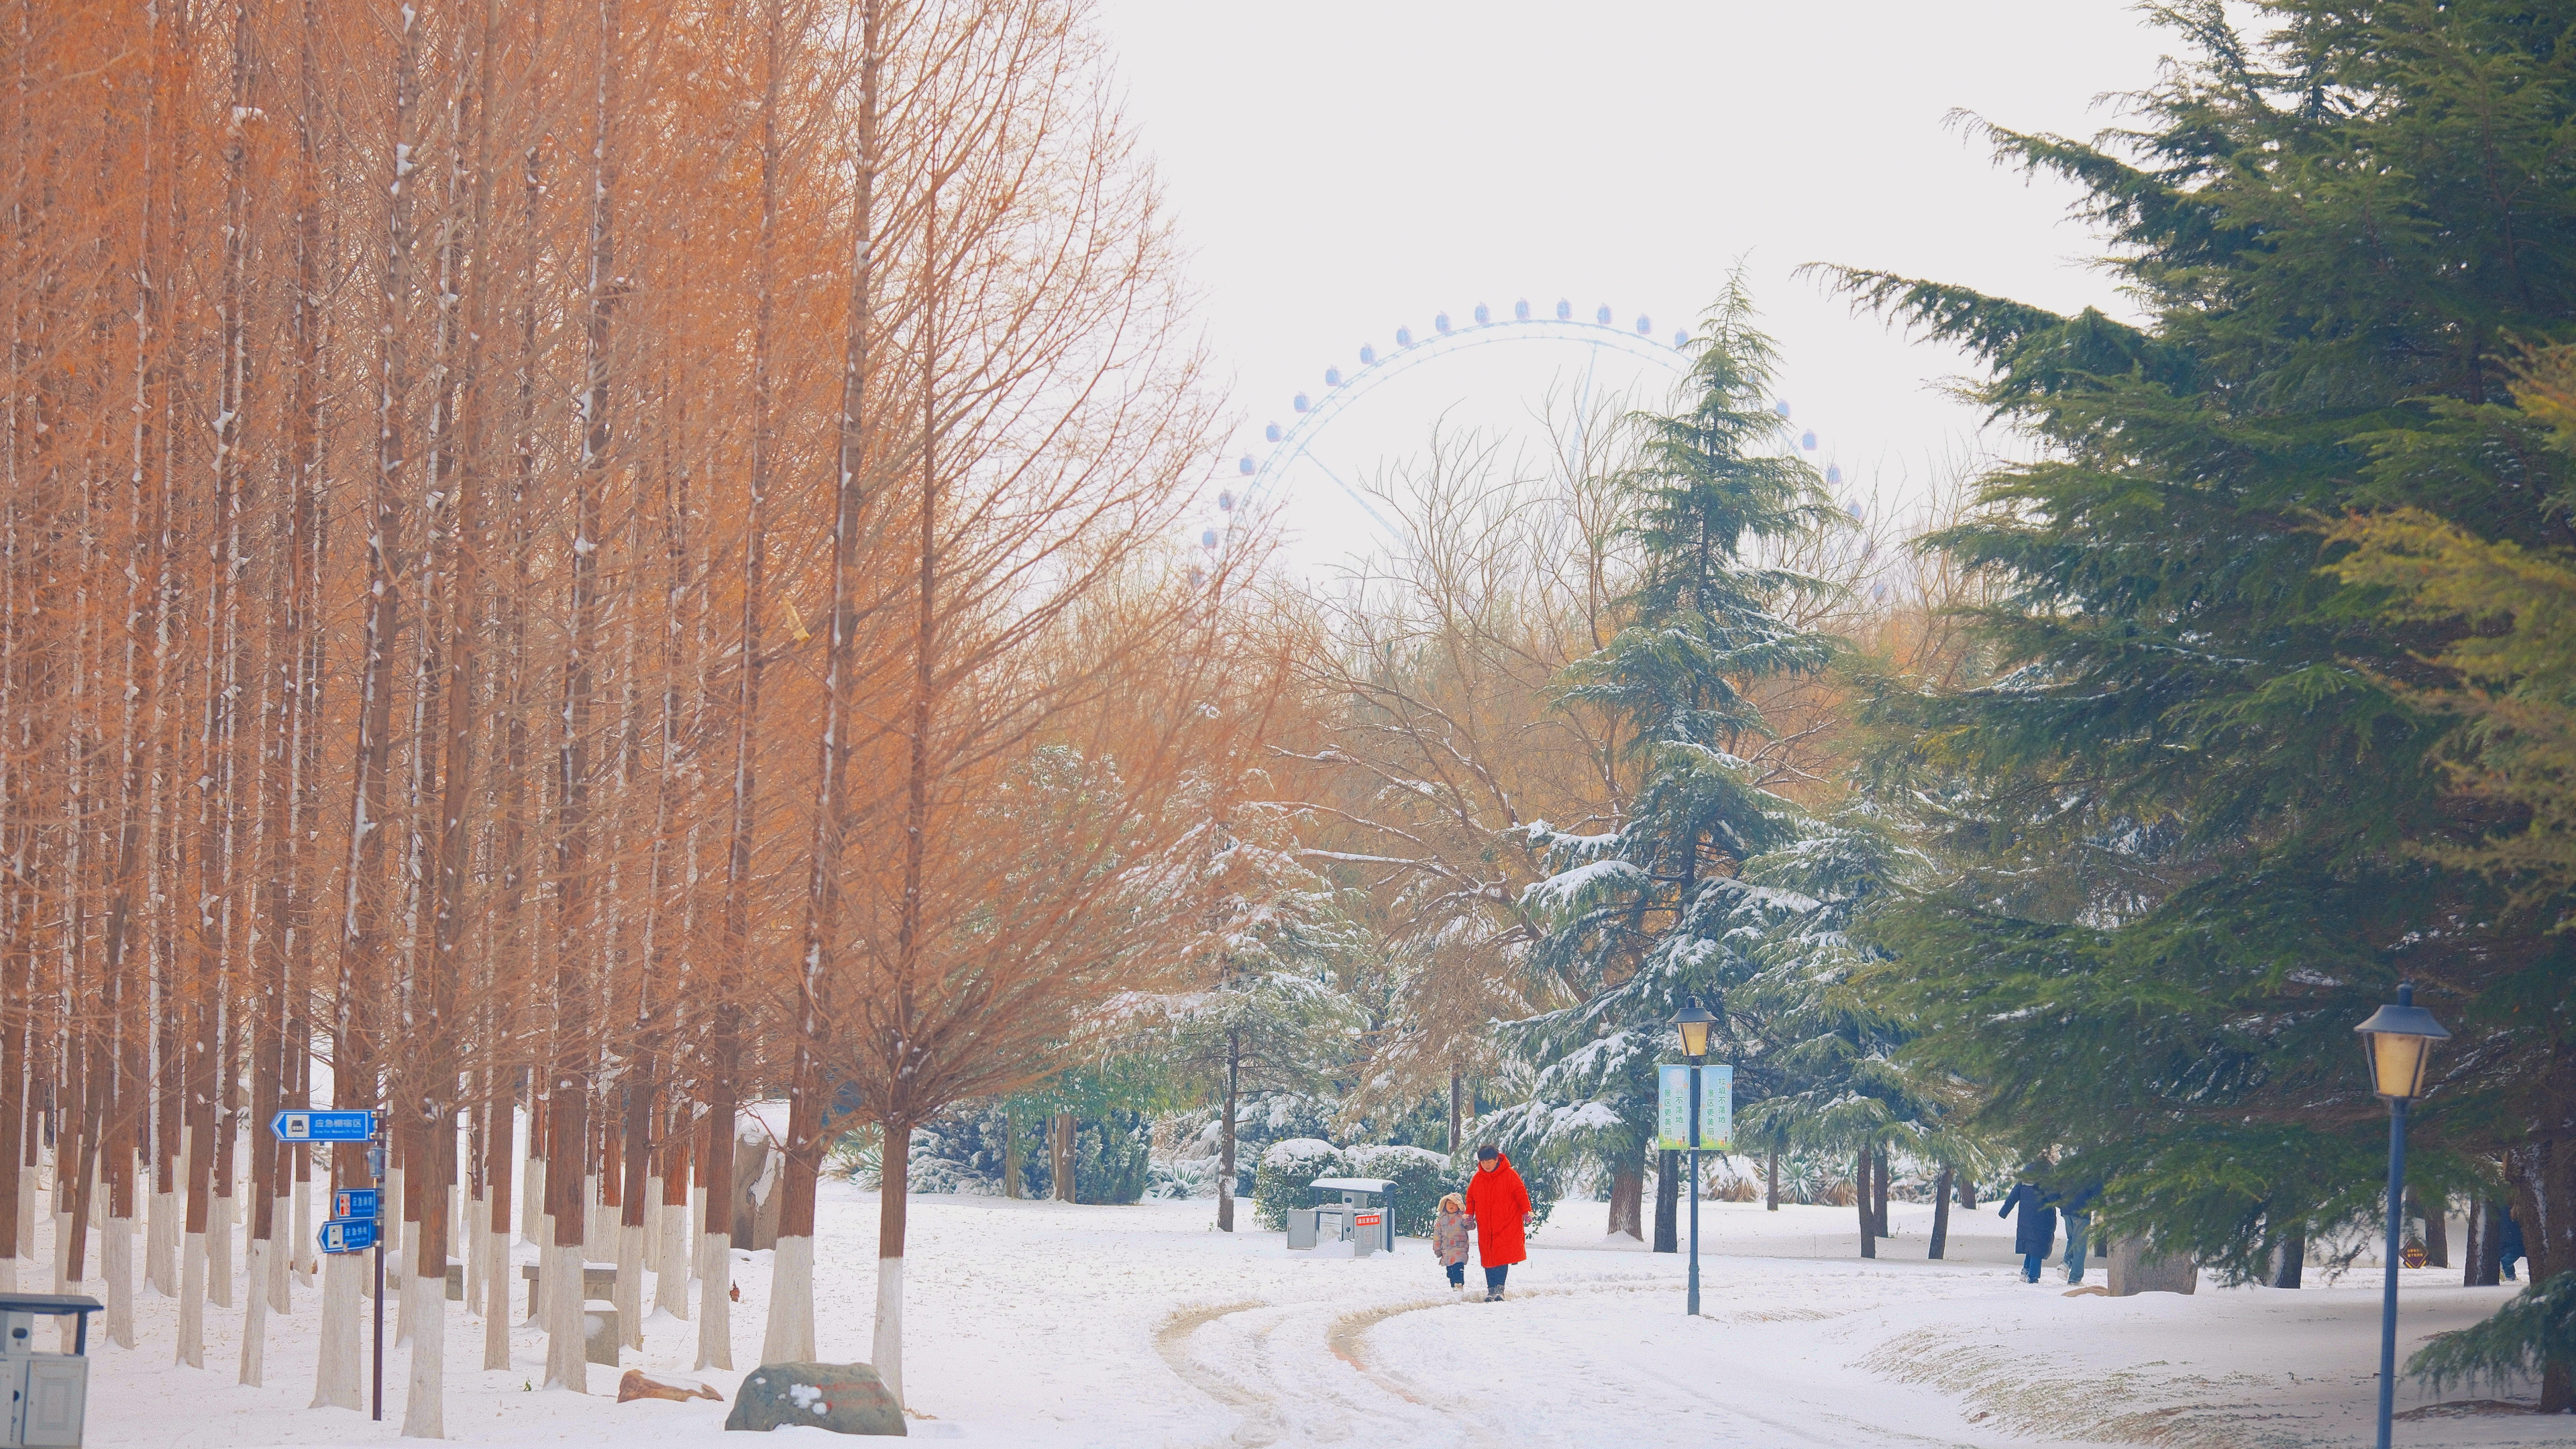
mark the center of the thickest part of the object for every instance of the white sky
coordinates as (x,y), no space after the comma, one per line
(1339,167)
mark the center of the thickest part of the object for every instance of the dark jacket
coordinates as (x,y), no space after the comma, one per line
(2037,1231)
(2509,1238)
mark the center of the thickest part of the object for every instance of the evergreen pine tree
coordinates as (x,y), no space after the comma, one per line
(1631,926)
(2199,822)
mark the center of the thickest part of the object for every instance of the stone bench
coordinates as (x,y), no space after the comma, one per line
(598,1280)
(599,1338)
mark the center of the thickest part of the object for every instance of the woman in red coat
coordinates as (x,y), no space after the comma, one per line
(1499,1202)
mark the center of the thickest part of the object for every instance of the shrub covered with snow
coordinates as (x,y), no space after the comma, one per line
(1420,1176)
(1287,1168)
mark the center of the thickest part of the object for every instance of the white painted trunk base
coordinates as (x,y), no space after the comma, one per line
(496,1300)
(62,1252)
(225,1215)
(281,1274)
(653,1226)
(566,1364)
(629,1292)
(425,1404)
(887,1354)
(467,1228)
(161,1247)
(790,1338)
(308,1249)
(396,1219)
(192,1301)
(116,1261)
(715,1322)
(9,1268)
(532,1203)
(338,1376)
(671,1285)
(254,1344)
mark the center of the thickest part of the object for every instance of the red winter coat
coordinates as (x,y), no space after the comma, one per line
(1498,1201)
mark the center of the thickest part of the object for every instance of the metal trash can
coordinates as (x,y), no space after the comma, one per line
(1364,1217)
(48,1393)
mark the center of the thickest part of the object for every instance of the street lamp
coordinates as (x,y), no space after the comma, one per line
(2398,1039)
(1693,1022)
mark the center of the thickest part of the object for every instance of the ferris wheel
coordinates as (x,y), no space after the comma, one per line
(1288,454)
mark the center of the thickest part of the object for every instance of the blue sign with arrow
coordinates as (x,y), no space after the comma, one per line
(356,1202)
(348,1235)
(308,1126)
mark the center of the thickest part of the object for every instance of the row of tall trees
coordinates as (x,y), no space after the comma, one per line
(578,561)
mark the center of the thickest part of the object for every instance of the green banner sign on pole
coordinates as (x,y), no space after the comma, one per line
(1716,1108)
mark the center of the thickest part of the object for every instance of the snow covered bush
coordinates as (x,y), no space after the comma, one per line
(1281,1181)
(1420,1176)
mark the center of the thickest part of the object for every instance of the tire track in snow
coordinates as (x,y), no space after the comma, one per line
(1261,1417)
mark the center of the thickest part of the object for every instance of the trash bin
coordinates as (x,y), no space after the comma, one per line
(48,1393)
(1364,1217)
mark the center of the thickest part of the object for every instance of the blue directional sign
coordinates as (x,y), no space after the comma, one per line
(306,1126)
(356,1202)
(348,1235)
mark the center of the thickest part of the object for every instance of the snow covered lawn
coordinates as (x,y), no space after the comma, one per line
(1038,1324)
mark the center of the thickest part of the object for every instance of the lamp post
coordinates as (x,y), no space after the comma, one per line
(1693,1022)
(2398,1039)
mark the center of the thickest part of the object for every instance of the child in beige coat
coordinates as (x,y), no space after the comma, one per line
(1449,1239)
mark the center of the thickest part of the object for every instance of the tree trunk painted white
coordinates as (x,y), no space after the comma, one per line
(533,1227)
(790,1338)
(280,1271)
(308,1251)
(596,1225)
(336,1372)
(62,1251)
(254,1344)
(653,1260)
(423,1406)
(422,1297)
(566,1363)
(715,1323)
(397,1218)
(473,1241)
(192,1301)
(630,1285)
(27,1214)
(116,1260)
(496,1298)
(220,1222)
(887,1356)
(161,1246)
(671,1286)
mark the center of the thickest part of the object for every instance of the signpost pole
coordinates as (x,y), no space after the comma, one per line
(1694,1187)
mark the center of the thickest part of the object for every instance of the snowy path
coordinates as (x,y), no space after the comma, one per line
(1043,1326)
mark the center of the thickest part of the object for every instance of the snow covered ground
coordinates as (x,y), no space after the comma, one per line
(1041,1324)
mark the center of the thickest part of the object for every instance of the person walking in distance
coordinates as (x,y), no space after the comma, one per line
(2036,1233)
(2079,1229)
(1449,1234)
(1499,1202)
